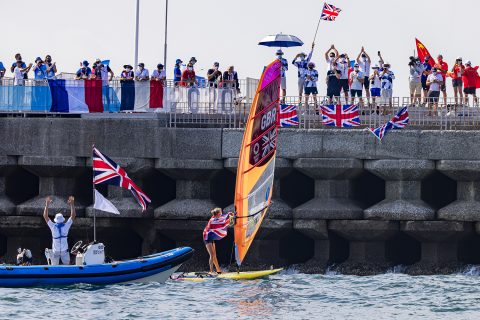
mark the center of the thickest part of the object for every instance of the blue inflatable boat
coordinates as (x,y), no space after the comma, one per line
(153,268)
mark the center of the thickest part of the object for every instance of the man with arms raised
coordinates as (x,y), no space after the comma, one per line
(59,229)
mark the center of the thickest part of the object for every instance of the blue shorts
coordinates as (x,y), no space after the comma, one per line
(375,92)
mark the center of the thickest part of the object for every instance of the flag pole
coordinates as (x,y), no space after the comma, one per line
(166,28)
(318,24)
(94,213)
(136,33)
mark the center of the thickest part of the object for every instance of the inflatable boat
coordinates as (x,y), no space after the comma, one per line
(153,268)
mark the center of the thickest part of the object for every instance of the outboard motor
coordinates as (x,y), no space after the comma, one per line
(93,253)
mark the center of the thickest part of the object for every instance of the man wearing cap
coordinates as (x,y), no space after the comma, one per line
(192,61)
(364,63)
(342,64)
(311,78)
(102,71)
(84,72)
(442,68)
(301,62)
(59,229)
(177,73)
(142,74)
(283,78)
(39,69)
(434,83)
(214,75)
(457,83)
(386,82)
(159,74)
(375,83)
(51,67)
(356,79)
(470,76)
(18,57)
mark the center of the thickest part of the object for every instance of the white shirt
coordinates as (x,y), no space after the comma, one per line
(59,235)
(159,75)
(343,68)
(311,78)
(330,63)
(356,84)
(376,82)
(18,77)
(143,74)
(364,67)
(434,86)
(386,80)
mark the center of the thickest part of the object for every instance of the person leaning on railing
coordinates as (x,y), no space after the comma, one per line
(214,75)
(2,70)
(142,73)
(159,74)
(188,76)
(84,72)
(127,73)
(230,79)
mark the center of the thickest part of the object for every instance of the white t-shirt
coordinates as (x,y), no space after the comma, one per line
(343,68)
(330,63)
(141,74)
(364,67)
(376,82)
(18,77)
(434,86)
(356,84)
(59,235)
(159,75)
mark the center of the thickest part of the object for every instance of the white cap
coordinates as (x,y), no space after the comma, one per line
(468,62)
(59,218)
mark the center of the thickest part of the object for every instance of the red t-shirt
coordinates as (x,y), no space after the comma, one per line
(470,77)
(457,71)
(442,67)
(187,75)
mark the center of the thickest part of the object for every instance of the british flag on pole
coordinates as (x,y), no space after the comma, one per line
(399,121)
(329,12)
(344,116)
(288,115)
(106,171)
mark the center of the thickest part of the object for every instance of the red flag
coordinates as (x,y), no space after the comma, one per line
(423,52)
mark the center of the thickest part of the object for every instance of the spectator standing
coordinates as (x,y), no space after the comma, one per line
(19,73)
(283,74)
(301,61)
(470,86)
(333,85)
(442,68)
(434,81)
(188,76)
(127,73)
(177,73)
(311,78)
(427,70)
(341,63)
(18,57)
(230,78)
(192,61)
(375,83)
(39,69)
(102,71)
(364,63)
(386,82)
(330,56)
(142,73)
(457,83)
(159,74)
(84,72)
(51,67)
(356,79)
(2,70)
(414,79)
(214,75)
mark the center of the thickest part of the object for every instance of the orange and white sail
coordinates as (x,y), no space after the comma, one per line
(256,162)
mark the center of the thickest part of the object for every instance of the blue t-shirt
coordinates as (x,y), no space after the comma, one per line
(427,67)
(177,73)
(84,71)
(40,72)
(2,68)
(51,73)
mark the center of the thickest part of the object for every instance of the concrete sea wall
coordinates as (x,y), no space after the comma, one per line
(341,197)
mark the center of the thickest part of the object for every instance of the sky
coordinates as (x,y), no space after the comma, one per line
(229,31)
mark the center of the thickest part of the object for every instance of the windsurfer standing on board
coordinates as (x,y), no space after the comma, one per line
(215,230)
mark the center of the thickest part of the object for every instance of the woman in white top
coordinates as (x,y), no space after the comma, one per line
(18,73)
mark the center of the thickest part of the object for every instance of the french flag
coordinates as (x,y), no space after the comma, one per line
(78,96)
(140,95)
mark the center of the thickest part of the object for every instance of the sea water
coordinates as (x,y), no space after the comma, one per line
(289,295)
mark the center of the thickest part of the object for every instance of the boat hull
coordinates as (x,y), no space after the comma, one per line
(153,268)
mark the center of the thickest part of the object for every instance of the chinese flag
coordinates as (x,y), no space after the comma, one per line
(423,52)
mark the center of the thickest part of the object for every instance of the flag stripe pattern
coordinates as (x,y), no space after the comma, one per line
(344,116)
(288,115)
(216,228)
(399,121)
(107,172)
(330,12)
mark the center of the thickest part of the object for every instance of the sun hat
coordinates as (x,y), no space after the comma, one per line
(59,218)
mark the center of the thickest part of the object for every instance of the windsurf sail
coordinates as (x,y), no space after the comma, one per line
(256,162)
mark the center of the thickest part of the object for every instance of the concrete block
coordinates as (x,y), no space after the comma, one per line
(400,169)
(329,168)
(188,169)
(437,231)
(314,229)
(400,210)
(364,230)
(185,209)
(328,209)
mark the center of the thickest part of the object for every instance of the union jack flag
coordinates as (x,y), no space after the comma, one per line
(107,172)
(345,116)
(329,12)
(399,121)
(288,115)
(216,228)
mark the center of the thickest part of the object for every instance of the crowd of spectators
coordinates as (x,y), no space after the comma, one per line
(184,75)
